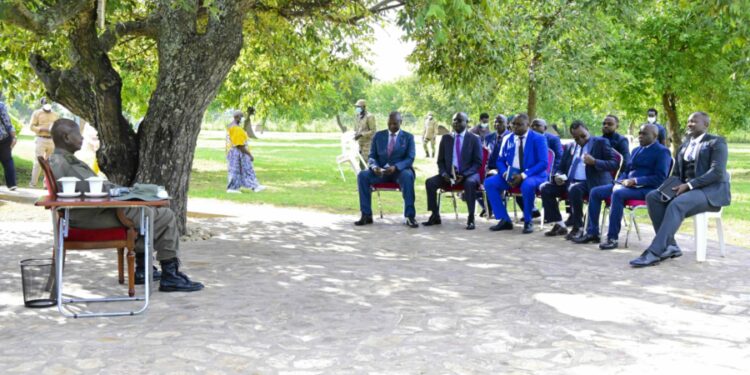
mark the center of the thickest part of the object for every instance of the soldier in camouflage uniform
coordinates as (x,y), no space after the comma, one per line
(164,233)
(364,128)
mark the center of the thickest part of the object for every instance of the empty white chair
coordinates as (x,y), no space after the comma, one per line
(349,154)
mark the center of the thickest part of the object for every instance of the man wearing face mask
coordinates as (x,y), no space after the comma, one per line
(652,113)
(364,128)
(482,129)
(429,134)
(41,123)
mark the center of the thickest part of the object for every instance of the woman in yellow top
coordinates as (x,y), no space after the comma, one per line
(239,160)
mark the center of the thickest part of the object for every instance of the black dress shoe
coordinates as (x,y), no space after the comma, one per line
(609,245)
(411,222)
(470,225)
(528,228)
(556,230)
(646,259)
(586,238)
(364,220)
(502,225)
(535,214)
(483,213)
(575,232)
(172,280)
(672,251)
(433,220)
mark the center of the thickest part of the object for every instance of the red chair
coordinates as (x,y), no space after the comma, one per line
(615,173)
(452,190)
(96,239)
(516,191)
(384,186)
(633,205)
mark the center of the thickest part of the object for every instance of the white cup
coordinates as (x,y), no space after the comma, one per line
(68,184)
(95,184)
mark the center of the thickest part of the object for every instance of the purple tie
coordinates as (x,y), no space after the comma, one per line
(458,151)
(391,143)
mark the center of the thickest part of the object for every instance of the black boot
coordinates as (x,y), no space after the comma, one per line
(172,280)
(140,271)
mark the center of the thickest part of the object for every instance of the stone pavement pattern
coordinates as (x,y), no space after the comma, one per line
(301,292)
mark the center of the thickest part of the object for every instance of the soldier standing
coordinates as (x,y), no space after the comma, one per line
(365,128)
(429,134)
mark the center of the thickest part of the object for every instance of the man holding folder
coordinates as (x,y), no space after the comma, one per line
(522,161)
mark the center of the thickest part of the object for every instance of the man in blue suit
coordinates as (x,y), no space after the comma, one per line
(391,157)
(647,169)
(588,165)
(459,160)
(616,140)
(701,166)
(522,162)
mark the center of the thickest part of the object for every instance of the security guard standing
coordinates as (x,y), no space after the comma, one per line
(429,134)
(41,122)
(365,128)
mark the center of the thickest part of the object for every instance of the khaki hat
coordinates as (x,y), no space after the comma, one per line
(143,192)
(361,103)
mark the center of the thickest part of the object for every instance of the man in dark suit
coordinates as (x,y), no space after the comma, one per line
(522,162)
(391,157)
(616,140)
(459,160)
(553,141)
(651,116)
(647,169)
(587,165)
(701,165)
(493,142)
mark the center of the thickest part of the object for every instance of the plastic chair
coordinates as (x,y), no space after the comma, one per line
(452,190)
(634,205)
(118,238)
(349,154)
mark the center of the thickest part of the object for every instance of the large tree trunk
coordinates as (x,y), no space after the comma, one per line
(192,67)
(669,102)
(532,97)
(91,89)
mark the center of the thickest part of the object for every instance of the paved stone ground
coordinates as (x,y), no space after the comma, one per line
(301,292)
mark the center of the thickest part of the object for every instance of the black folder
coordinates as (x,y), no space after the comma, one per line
(667,194)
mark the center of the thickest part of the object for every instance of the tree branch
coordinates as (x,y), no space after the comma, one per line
(144,27)
(45,20)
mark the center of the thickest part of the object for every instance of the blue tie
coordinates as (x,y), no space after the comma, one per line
(574,165)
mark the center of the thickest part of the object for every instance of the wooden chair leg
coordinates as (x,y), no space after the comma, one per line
(131,272)
(120,268)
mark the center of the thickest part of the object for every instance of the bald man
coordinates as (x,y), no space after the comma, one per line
(701,166)
(166,238)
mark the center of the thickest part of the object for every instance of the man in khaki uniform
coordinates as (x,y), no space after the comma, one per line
(162,231)
(41,122)
(429,134)
(364,129)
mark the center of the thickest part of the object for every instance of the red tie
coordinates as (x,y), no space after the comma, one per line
(391,143)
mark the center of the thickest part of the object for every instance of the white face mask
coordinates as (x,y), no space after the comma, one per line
(358,110)
(651,120)
(47,107)
(483,124)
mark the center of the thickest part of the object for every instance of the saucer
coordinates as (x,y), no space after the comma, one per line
(69,195)
(96,195)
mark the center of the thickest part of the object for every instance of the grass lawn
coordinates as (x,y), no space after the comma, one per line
(302,173)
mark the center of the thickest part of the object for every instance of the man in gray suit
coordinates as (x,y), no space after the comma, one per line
(701,165)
